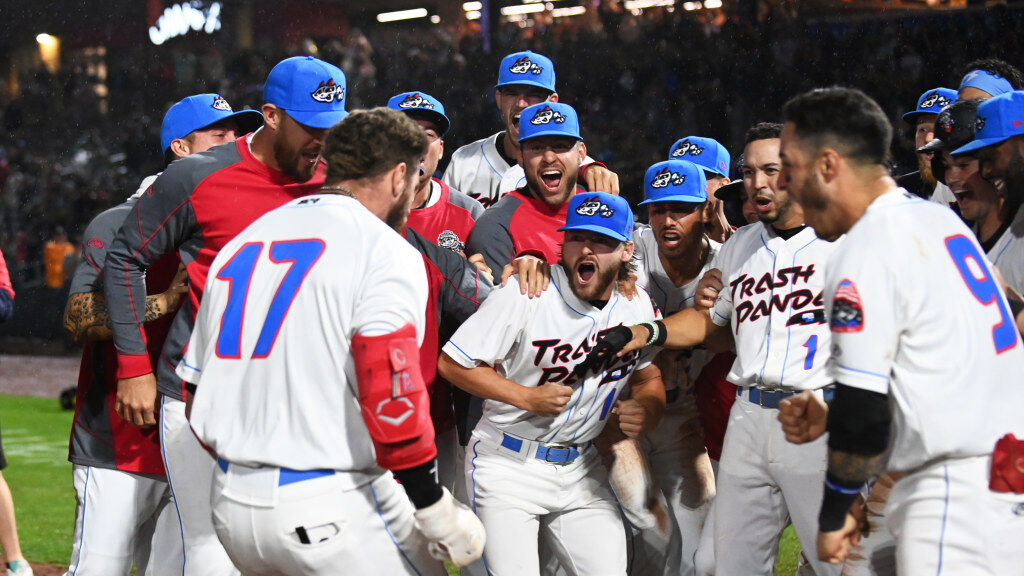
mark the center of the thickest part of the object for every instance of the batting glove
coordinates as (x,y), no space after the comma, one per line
(454,532)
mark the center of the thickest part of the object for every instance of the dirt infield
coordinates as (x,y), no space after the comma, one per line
(43,376)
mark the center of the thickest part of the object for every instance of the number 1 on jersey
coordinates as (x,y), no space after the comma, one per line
(300,254)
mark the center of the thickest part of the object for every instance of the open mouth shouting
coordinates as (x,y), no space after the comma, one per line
(552,179)
(671,238)
(586,272)
(764,203)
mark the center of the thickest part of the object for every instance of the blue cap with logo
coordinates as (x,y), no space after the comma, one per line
(600,212)
(548,119)
(675,181)
(422,103)
(311,91)
(198,112)
(998,119)
(527,68)
(931,102)
(704,152)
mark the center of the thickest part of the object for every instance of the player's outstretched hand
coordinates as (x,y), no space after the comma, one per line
(177,290)
(481,265)
(616,341)
(707,289)
(833,547)
(803,417)
(547,400)
(632,417)
(135,402)
(453,531)
(597,178)
(534,275)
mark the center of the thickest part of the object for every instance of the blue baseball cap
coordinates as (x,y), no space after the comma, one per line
(675,181)
(548,119)
(998,119)
(199,111)
(421,103)
(527,68)
(311,91)
(704,152)
(931,102)
(600,212)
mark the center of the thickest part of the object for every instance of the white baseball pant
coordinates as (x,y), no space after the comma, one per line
(521,500)
(348,523)
(190,475)
(120,519)
(946,521)
(764,480)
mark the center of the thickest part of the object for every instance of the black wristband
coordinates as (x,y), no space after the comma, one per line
(839,497)
(662,333)
(420,483)
(1016,306)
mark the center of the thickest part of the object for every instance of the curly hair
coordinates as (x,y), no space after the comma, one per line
(368,143)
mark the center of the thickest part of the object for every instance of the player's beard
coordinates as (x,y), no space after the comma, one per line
(399,212)
(1014,180)
(595,289)
(924,167)
(292,162)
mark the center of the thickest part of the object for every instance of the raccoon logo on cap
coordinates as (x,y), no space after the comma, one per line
(935,99)
(594,207)
(219,103)
(328,92)
(524,65)
(979,124)
(664,178)
(545,115)
(415,101)
(686,147)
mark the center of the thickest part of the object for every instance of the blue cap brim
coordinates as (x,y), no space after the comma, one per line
(599,229)
(526,83)
(979,144)
(442,121)
(675,198)
(323,119)
(245,119)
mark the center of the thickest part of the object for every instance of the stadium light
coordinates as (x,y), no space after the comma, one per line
(472,6)
(641,4)
(402,15)
(571,11)
(45,39)
(473,15)
(712,3)
(521,9)
(691,6)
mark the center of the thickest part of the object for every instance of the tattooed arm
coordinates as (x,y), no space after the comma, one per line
(86,317)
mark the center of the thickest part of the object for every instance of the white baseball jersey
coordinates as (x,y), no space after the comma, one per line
(1007,254)
(477,169)
(773,299)
(533,341)
(943,195)
(916,313)
(669,297)
(270,352)
(515,177)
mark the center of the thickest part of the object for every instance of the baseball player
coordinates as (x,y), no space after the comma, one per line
(998,146)
(531,466)
(442,214)
(899,402)
(987,78)
(773,273)
(198,204)
(922,119)
(302,422)
(490,167)
(16,563)
(715,160)
(120,484)
(670,257)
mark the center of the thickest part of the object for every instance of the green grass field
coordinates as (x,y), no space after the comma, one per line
(35,438)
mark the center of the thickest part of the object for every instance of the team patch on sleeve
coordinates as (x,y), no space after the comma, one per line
(847,312)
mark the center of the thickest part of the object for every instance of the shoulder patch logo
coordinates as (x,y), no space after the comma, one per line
(594,207)
(328,92)
(935,99)
(686,147)
(525,66)
(219,103)
(847,311)
(415,101)
(546,115)
(95,243)
(666,177)
(451,241)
